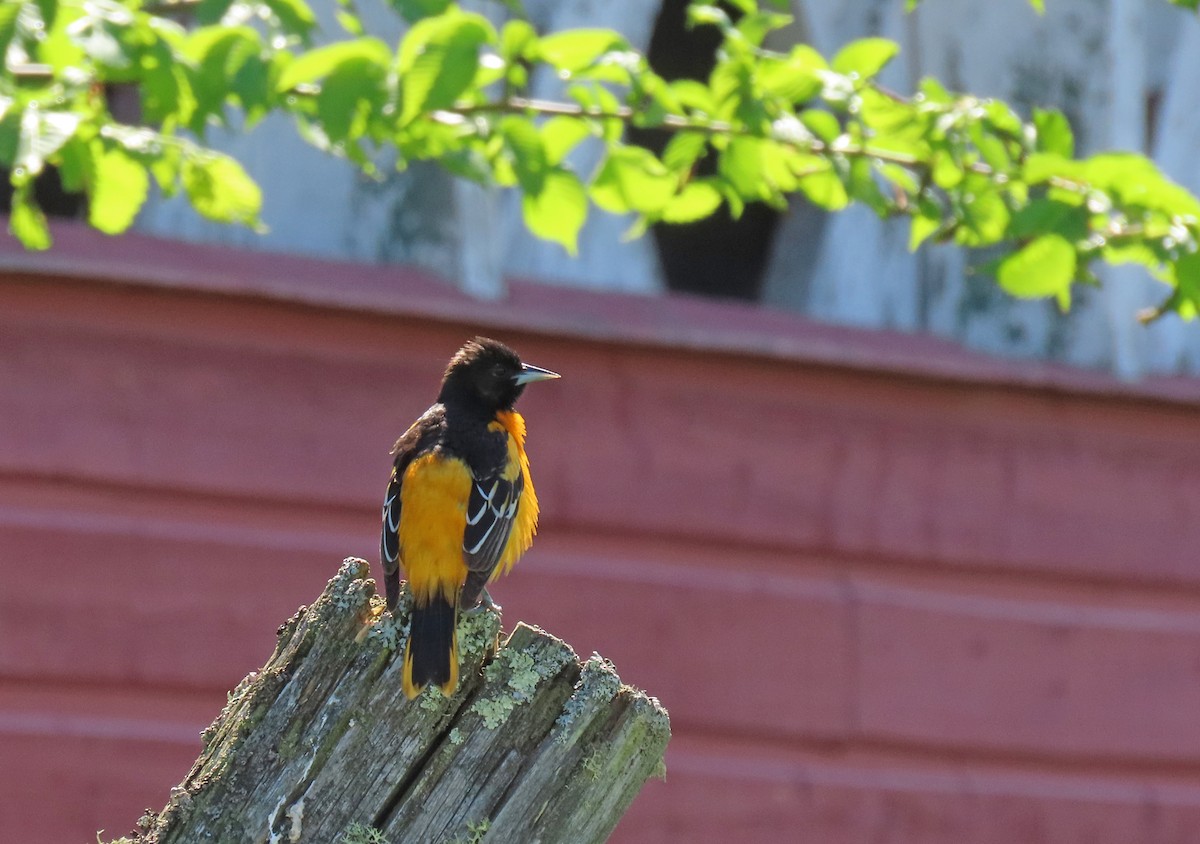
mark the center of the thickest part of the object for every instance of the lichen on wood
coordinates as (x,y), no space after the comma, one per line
(321,745)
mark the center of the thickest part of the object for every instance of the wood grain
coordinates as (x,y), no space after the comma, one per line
(535,746)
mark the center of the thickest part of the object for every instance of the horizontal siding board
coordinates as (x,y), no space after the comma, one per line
(738,795)
(1024,677)
(718,448)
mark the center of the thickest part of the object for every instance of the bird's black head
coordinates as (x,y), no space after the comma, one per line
(489,375)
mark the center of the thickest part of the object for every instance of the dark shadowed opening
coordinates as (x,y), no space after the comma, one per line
(718,256)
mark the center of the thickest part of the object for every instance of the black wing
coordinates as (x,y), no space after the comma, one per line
(415,440)
(389,543)
(491,510)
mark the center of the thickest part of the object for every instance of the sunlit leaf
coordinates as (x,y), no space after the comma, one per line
(528,151)
(120,184)
(438,61)
(562,134)
(42,134)
(574,49)
(632,179)
(295,16)
(1043,267)
(697,200)
(1054,133)
(825,189)
(220,189)
(415,10)
(318,63)
(27,222)
(865,58)
(557,212)
(795,77)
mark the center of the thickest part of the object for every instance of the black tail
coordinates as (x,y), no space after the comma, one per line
(431,655)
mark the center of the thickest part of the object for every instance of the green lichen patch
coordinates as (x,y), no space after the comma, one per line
(358,833)
(477,634)
(598,684)
(475,832)
(514,676)
(387,631)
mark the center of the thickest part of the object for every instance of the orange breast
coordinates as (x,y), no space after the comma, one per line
(433,517)
(525,524)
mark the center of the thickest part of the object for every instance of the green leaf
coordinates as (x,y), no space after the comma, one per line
(166,90)
(741,165)
(865,57)
(574,49)
(49,10)
(350,22)
(557,212)
(684,150)
(59,48)
(863,187)
(694,95)
(706,14)
(1044,215)
(8,24)
(797,77)
(984,214)
(1186,273)
(98,32)
(825,190)
(1003,119)
(415,10)
(42,134)
(27,222)
(75,165)
(562,134)
(932,91)
(220,189)
(697,200)
(529,160)
(1042,166)
(516,36)
(438,61)
(888,115)
(633,179)
(318,63)
(755,26)
(355,89)
(1043,267)
(120,184)
(295,16)
(1054,133)
(211,11)
(821,123)
(924,223)
(219,52)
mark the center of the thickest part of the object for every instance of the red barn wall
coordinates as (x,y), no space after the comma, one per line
(888,590)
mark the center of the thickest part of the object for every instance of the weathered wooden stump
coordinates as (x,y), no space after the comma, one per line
(322,746)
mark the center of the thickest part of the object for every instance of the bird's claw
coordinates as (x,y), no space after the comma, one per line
(485,603)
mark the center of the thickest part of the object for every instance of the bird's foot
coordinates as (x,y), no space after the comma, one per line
(485,603)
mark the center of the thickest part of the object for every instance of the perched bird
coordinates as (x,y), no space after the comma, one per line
(460,507)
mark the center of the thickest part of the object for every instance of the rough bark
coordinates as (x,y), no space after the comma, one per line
(321,745)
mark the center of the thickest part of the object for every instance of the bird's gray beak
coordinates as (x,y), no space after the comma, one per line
(529,374)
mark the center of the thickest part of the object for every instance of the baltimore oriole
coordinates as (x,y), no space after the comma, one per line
(460,507)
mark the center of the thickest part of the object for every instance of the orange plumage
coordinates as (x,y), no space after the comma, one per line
(460,507)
